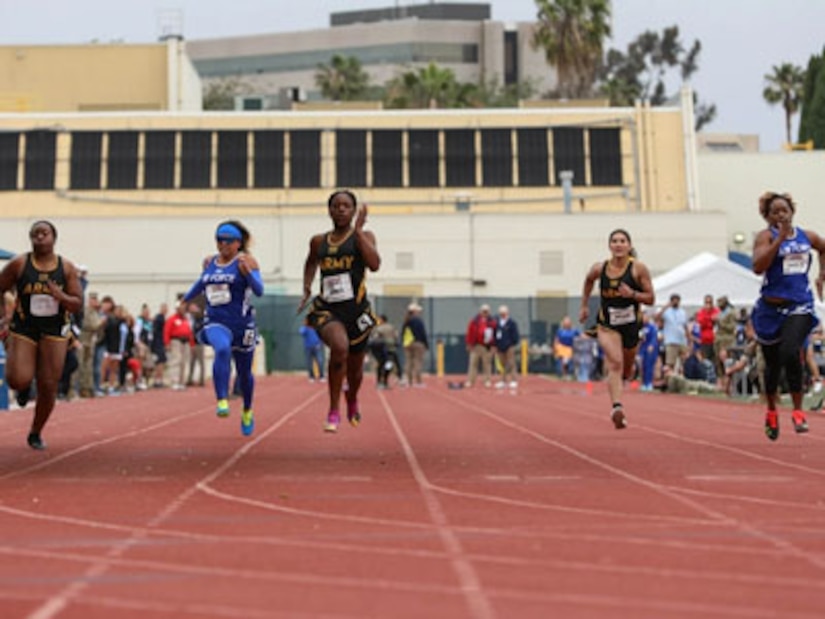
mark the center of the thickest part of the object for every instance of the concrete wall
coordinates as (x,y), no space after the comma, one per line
(732,183)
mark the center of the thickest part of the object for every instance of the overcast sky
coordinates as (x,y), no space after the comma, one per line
(741,39)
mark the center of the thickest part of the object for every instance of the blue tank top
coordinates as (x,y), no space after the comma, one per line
(227,294)
(787,276)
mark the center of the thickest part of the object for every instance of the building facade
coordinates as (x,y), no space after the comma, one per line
(98,78)
(460,37)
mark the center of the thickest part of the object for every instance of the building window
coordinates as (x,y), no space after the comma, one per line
(351,158)
(605,157)
(423,158)
(269,159)
(532,158)
(511,73)
(568,153)
(84,165)
(305,158)
(387,159)
(159,160)
(195,159)
(460,157)
(232,159)
(40,160)
(497,158)
(9,160)
(121,163)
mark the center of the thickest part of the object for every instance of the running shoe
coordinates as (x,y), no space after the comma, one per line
(223,408)
(618,418)
(333,419)
(247,422)
(353,414)
(23,396)
(772,425)
(35,442)
(800,424)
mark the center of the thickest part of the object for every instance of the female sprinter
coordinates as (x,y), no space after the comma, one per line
(227,280)
(624,284)
(48,291)
(341,313)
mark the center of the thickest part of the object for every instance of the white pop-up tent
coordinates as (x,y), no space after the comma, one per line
(707,274)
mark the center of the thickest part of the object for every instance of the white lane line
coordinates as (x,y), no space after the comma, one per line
(59,601)
(471,587)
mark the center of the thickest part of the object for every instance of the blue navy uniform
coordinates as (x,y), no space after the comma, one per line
(786,289)
(228,306)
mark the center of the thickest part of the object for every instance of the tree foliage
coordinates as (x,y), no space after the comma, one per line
(343,79)
(784,85)
(812,121)
(572,34)
(430,87)
(642,71)
(220,94)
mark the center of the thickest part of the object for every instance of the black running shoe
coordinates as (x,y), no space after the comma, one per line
(800,424)
(772,425)
(35,442)
(23,396)
(618,418)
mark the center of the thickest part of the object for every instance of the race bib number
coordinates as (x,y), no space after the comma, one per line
(218,294)
(43,305)
(795,264)
(364,322)
(250,337)
(617,316)
(337,288)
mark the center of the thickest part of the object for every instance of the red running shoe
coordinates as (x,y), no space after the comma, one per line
(772,425)
(800,424)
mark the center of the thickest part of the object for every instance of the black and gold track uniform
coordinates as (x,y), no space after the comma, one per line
(616,312)
(343,295)
(37,313)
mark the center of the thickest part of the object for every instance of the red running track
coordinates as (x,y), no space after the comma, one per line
(474,503)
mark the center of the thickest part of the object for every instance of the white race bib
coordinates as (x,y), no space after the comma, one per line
(218,294)
(795,264)
(337,288)
(617,316)
(43,305)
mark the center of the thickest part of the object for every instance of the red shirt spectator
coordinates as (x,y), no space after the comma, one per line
(481,329)
(706,319)
(178,327)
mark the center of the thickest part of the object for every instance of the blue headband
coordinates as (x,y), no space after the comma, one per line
(229,231)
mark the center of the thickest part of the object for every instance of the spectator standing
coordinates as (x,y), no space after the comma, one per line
(385,337)
(479,339)
(566,334)
(313,351)
(178,339)
(675,333)
(158,347)
(87,339)
(415,341)
(725,338)
(706,318)
(507,342)
(196,319)
(648,351)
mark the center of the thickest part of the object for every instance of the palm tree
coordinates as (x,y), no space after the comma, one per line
(572,34)
(343,79)
(785,86)
(428,87)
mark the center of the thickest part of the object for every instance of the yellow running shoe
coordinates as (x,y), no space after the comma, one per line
(247,422)
(223,408)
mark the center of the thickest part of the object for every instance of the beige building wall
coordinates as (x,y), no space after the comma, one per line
(97,77)
(146,245)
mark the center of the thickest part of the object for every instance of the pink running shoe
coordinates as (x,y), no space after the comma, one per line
(333,420)
(353,414)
